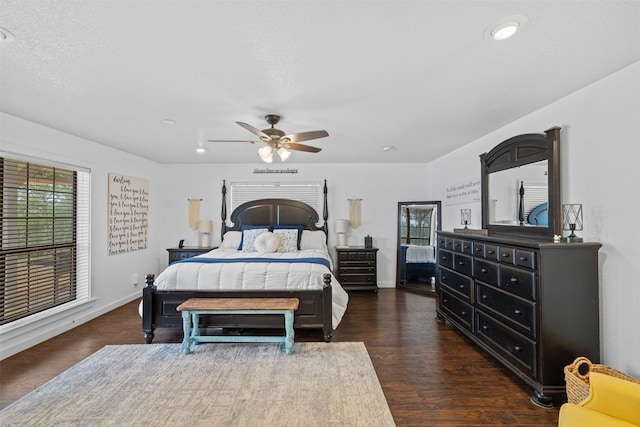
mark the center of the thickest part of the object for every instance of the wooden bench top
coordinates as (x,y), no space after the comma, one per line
(222,304)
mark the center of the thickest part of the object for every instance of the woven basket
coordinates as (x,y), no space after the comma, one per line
(578,383)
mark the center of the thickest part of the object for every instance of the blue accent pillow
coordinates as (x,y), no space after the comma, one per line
(250,227)
(300,228)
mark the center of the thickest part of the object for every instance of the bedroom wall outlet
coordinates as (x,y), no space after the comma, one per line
(134,279)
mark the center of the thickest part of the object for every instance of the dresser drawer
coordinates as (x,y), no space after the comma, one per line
(354,278)
(486,271)
(518,282)
(525,258)
(445,258)
(456,283)
(506,254)
(359,256)
(516,348)
(463,264)
(463,246)
(485,250)
(461,311)
(445,243)
(512,310)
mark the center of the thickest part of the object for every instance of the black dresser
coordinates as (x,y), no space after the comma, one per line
(532,305)
(356,268)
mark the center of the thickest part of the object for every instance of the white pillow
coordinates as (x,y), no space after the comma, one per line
(249,238)
(313,240)
(267,242)
(288,239)
(231,240)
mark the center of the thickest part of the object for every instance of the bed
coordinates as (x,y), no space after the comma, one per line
(418,263)
(229,272)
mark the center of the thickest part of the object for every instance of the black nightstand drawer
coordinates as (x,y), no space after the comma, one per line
(178,254)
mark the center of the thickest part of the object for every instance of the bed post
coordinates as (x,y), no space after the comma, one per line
(223,213)
(327,315)
(325,213)
(147,309)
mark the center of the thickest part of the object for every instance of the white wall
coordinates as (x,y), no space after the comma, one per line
(111,276)
(600,151)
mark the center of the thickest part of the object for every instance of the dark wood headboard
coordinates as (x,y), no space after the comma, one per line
(274,212)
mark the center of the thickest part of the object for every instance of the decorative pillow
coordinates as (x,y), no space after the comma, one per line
(251,227)
(288,239)
(313,240)
(231,240)
(300,229)
(267,242)
(249,238)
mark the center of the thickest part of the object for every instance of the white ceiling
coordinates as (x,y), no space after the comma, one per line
(418,75)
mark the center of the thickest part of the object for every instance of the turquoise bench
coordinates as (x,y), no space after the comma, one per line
(192,309)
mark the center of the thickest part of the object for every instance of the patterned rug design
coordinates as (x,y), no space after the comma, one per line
(319,384)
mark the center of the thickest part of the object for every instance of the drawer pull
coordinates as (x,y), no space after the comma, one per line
(483,270)
(444,300)
(444,258)
(517,312)
(478,249)
(485,328)
(491,251)
(461,286)
(506,255)
(523,258)
(514,280)
(517,348)
(485,297)
(460,262)
(464,313)
(466,246)
(443,278)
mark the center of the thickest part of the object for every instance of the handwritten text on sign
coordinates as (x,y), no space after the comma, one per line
(467,192)
(128,210)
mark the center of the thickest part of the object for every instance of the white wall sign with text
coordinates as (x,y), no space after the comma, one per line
(128,211)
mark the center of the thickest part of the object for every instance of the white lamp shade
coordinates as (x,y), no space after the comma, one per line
(205,226)
(342,226)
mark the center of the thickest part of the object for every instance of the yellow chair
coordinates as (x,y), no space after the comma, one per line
(612,402)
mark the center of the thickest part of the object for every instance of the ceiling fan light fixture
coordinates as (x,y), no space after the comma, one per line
(283,153)
(266,154)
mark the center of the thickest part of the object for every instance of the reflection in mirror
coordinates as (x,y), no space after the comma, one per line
(417,226)
(520,196)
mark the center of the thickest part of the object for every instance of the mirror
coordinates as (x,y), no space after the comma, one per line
(521,185)
(416,251)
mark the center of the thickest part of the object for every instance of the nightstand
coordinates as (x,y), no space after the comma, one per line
(177,254)
(356,267)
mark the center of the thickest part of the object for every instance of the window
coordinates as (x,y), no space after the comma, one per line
(309,192)
(415,226)
(44,217)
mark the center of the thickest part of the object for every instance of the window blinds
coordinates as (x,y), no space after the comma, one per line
(309,192)
(44,250)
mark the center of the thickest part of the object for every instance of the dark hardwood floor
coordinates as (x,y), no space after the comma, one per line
(430,373)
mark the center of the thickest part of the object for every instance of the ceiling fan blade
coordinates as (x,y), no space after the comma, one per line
(263,136)
(301,147)
(306,136)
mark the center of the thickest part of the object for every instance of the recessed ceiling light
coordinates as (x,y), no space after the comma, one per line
(506,28)
(6,36)
(389,148)
(168,122)
(201,150)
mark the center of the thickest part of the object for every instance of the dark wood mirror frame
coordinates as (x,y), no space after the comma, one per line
(518,151)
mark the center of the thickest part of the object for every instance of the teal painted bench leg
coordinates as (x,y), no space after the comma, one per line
(288,324)
(186,327)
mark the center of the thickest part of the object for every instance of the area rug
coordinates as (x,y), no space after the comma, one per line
(319,384)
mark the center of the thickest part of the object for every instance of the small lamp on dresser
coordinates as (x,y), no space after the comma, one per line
(465,217)
(572,221)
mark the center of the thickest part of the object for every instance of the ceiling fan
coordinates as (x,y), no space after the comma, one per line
(278,141)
